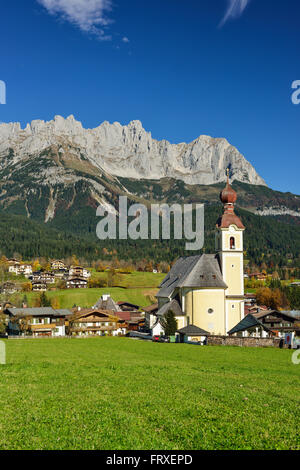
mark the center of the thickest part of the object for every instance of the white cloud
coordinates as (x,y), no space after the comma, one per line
(125,39)
(88,15)
(234,10)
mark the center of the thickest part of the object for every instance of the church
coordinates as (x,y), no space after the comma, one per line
(207,291)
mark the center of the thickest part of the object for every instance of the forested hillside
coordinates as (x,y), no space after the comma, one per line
(266,240)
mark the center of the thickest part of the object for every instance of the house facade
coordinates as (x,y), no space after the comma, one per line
(265,324)
(20,269)
(79,271)
(56,265)
(96,323)
(37,322)
(76,283)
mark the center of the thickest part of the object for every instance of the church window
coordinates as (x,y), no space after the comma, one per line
(232,243)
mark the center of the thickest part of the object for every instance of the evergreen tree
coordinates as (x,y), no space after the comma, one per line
(169,323)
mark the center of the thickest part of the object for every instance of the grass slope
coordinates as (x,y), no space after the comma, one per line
(88,297)
(117,393)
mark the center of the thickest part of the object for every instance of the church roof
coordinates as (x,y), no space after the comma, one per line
(173,306)
(228,219)
(201,271)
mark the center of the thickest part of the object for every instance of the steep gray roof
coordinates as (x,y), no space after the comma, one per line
(39,311)
(248,322)
(174,306)
(108,304)
(192,330)
(194,271)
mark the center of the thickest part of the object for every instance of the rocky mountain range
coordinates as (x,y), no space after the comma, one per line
(130,151)
(50,168)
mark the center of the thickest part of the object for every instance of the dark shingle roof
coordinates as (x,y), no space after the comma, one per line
(39,311)
(192,330)
(108,304)
(193,271)
(276,313)
(173,306)
(248,322)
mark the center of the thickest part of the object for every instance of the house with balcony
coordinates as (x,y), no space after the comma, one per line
(76,283)
(89,322)
(37,322)
(20,269)
(265,324)
(79,271)
(57,265)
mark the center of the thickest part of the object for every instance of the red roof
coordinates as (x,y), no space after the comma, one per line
(123,315)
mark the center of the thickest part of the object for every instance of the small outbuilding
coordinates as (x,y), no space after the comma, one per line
(192,333)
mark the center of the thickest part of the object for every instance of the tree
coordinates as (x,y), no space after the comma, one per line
(42,301)
(27,286)
(55,303)
(3,324)
(169,323)
(36,265)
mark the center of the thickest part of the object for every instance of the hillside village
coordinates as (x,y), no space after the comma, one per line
(200,297)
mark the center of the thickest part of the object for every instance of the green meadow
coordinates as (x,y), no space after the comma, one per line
(88,297)
(117,393)
(137,287)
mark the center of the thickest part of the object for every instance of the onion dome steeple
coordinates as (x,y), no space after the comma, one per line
(229,197)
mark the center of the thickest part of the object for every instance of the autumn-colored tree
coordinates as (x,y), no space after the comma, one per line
(263,296)
(36,265)
(149,267)
(55,303)
(75,261)
(27,287)
(3,324)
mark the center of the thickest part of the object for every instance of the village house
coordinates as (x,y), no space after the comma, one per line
(79,272)
(76,283)
(9,288)
(38,286)
(90,322)
(207,291)
(105,302)
(266,323)
(126,311)
(58,265)
(43,277)
(61,274)
(37,322)
(20,269)
(258,276)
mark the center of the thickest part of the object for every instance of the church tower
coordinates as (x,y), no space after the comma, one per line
(230,249)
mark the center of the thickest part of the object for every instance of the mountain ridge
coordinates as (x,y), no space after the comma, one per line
(130,151)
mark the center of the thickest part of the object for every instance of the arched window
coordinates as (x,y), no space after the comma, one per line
(232,243)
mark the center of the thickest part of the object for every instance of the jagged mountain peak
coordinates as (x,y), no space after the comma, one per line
(130,151)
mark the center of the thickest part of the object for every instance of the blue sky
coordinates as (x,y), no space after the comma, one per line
(183,67)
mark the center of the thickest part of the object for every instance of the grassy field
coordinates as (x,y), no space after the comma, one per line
(138,288)
(117,393)
(134,279)
(88,297)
